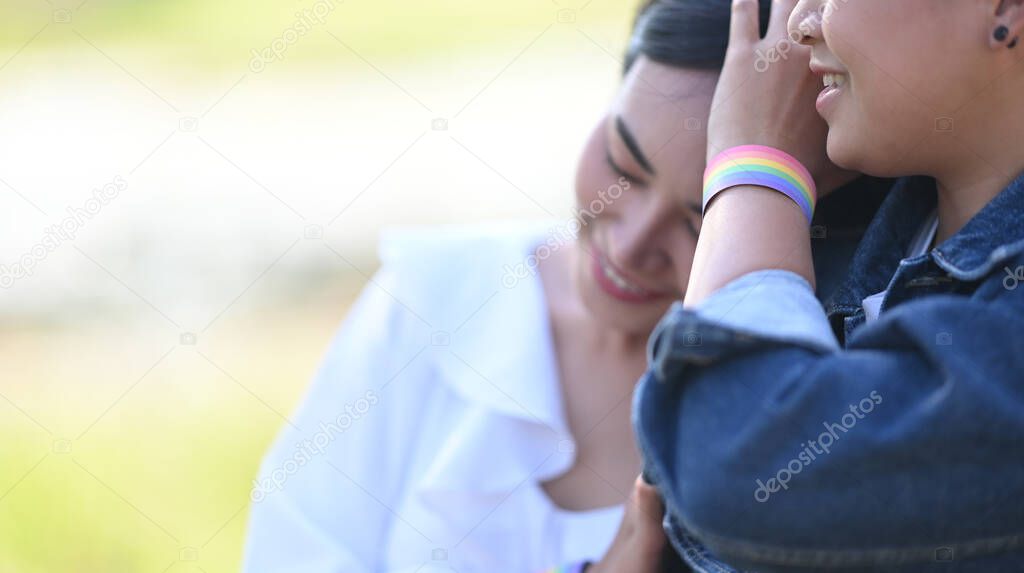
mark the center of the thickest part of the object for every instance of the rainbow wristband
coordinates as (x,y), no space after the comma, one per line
(577,567)
(764,167)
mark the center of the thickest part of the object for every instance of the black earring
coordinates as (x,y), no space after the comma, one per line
(1001,33)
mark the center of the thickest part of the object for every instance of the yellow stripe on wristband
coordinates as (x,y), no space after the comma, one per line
(764,167)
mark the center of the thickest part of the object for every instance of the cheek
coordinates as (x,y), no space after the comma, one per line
(599,191)
(591,173)
(682,253)
(879,118)
(873,131)
(890,49)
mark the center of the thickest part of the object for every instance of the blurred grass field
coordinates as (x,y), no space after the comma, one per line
(121,448)
(129,452)
(220,35)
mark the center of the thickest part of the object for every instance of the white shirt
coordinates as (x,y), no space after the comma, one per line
(434,418)
(920,245)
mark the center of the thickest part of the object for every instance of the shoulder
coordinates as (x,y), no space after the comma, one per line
(440,271)
(460,245)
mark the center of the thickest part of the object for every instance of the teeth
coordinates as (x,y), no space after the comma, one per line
(833,80)
(618,280)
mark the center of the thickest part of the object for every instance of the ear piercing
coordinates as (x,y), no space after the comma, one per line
(1000,35)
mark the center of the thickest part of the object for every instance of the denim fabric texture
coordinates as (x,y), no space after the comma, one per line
(893,446)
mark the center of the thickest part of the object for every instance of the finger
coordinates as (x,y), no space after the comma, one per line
(648,503)
(650,537)
(745,25)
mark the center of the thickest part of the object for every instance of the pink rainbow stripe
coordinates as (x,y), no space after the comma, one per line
(764,167)
(762,152)
(762,155)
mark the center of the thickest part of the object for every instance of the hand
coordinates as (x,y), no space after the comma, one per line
(639,544)
(766,94)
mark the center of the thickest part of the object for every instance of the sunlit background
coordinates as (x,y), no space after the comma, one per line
(247,155)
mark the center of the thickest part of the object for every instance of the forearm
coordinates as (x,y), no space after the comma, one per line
(747,229)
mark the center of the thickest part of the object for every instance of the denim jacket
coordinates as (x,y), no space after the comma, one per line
(785,437)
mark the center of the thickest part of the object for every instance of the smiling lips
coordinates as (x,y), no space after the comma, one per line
(833,82)
(616,284)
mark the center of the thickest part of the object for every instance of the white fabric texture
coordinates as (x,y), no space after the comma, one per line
(435,416)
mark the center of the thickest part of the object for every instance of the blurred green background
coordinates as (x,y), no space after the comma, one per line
(147,363)
(217,36)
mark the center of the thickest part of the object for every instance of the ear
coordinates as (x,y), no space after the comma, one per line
(1007,17)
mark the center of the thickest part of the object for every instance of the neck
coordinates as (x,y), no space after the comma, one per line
(833,179)
(983,157)
(965,190)
(958,204)
(623,343)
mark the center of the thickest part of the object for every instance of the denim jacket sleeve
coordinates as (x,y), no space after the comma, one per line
(777,447)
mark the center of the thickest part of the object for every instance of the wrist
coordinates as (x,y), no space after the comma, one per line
(748,229)
(761,166)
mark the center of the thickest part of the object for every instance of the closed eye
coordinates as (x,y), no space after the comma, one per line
(619,170)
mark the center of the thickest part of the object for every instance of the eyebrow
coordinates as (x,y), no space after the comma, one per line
(632,146)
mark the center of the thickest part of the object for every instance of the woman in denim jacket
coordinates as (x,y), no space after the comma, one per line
(886,432)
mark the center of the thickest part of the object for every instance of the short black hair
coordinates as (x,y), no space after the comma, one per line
(685,33)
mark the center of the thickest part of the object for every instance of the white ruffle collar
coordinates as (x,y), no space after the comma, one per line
(500,361)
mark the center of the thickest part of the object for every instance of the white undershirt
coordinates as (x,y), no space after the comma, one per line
(920,245)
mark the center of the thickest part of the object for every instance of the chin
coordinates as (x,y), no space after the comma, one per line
(872,159)
(843,152)
(614,314)
(621,319)
(834,148)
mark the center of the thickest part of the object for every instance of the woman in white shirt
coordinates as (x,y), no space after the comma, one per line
(473,412)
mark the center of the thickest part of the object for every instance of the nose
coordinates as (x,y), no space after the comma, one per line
(638,240)
(805,22)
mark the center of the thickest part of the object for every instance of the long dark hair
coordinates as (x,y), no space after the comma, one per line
(684,33)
